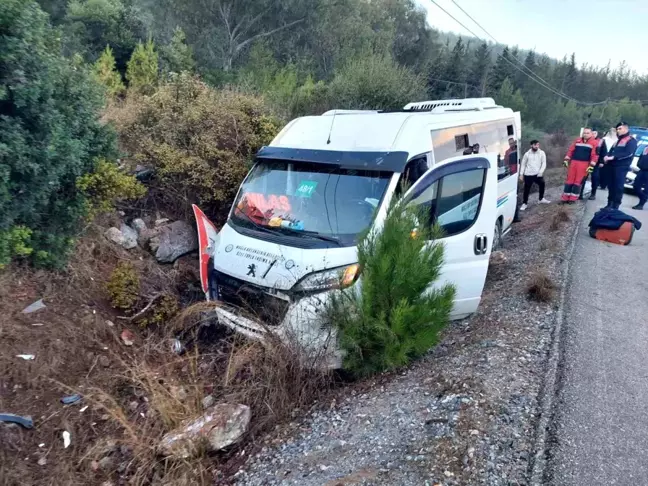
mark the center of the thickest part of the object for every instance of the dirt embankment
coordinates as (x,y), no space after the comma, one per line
(463,415)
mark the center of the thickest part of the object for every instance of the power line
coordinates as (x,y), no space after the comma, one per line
(541,83)
(599,103)
(524,66)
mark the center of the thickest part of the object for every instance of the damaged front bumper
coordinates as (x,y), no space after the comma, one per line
(302,325)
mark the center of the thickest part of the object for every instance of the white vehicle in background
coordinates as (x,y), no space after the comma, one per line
(641,134)
(292,233)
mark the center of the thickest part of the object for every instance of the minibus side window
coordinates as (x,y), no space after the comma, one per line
(414,169)
(453,201)
(459,200)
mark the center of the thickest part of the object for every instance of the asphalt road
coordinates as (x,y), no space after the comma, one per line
(600,430)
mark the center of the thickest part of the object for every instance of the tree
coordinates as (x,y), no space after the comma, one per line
(376,82)
(502,70)
(478,76)
(91,25)
(393,317)
(455,71)
(50,135)
(509,97)
(570,77)
(142,73)
(177,56)
(106,74)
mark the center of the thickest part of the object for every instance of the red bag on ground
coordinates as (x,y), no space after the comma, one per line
(621,236)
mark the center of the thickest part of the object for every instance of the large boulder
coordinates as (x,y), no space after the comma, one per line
(173,241)
(220,426)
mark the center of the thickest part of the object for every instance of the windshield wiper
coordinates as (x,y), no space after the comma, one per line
(310,234)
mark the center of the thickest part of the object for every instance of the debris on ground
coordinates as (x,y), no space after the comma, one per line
(11,418)
(70,399)
(34,307)
(219,427)
(127,337)
(67,439)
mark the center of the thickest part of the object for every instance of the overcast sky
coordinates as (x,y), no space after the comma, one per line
(596,30)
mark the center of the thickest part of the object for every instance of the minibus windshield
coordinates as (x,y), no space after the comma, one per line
(309,201)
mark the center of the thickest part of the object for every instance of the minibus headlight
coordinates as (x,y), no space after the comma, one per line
(335,278)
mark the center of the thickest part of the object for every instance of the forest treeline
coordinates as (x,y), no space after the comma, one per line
(299,52)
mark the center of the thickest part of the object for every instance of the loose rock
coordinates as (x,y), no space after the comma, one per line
(119,238)
(219,427)
(130,237)
(173,241)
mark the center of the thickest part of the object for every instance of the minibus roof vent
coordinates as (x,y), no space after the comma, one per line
(449,106)
(348,112)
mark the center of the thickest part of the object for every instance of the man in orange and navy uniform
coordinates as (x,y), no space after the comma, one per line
(581,159)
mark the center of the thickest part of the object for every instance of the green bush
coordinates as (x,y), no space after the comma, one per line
(394,316)
(106,186)
(124,287)
(200,140)
(50,135)
(376,82)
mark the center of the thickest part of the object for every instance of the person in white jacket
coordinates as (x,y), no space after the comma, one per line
(532,170)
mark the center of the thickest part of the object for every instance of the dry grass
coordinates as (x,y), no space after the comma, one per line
(271,378)
(541,288)
(560,217)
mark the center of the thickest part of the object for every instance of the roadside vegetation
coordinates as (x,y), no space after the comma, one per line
(397,314)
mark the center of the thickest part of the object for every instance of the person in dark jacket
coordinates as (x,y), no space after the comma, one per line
(608,142)
(619,160)
(641,181)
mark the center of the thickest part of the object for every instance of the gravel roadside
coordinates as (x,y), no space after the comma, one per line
(466,413)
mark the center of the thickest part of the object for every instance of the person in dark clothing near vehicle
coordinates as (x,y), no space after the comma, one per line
(607,143)
(641,181)
(619,160)
(512,161)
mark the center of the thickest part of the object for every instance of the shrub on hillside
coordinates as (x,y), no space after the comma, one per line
(124,286)
(50,135)
(200,141)
(376,82)
(394,316)
(106,186)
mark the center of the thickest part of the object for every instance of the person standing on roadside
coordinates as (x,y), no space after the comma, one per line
(534,163)
(619,160)
(607,143)
(581,159)
(595,181)
(641,181)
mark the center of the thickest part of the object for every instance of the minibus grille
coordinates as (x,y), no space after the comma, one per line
(253,301)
